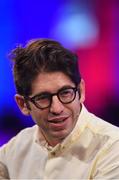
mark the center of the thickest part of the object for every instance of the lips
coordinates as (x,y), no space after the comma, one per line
(57,120)
(58,123)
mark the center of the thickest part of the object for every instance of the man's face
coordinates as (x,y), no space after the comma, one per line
(57,121)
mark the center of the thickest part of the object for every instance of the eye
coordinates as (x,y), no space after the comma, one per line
(66,92)
(42,97)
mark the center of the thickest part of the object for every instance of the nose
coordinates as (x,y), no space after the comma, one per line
(56,106)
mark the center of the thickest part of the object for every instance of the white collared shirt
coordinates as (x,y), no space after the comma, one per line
(91,151)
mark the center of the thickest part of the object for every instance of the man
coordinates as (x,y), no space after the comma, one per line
(67,141)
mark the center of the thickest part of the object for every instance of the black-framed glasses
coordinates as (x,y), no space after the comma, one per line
(44,100)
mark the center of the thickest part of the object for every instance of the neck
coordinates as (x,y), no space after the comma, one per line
(51,141)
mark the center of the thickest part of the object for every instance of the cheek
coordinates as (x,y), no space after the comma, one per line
(39,116)
(76,108)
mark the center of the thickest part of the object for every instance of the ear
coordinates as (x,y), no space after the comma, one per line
(81,88)
(22,104)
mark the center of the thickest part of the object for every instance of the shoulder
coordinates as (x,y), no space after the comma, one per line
(23,139)
(103,127)
(99,127)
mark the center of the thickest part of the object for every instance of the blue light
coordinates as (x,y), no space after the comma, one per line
(77,30)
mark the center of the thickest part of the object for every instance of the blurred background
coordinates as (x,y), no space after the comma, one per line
(88,27)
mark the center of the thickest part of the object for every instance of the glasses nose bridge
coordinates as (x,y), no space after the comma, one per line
(56,105)
(55,94)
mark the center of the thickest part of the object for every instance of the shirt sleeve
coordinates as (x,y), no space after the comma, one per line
(3,168)
(107,166)
(3,171)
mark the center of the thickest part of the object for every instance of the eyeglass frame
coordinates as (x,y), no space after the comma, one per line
(32,99)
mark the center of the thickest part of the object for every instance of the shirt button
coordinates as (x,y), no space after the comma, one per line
(53,153)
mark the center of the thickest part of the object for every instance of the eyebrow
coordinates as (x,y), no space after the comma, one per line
(47,93)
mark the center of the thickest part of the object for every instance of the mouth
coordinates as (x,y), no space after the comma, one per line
(59,123)
(57,120)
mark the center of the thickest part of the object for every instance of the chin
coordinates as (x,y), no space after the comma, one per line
(61,134)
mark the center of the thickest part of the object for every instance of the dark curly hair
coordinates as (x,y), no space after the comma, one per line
(42,55)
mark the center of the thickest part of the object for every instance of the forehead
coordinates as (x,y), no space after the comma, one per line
(50,82)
